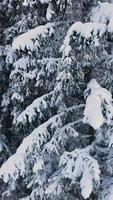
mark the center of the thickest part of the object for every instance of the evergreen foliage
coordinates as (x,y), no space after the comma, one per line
(56,87)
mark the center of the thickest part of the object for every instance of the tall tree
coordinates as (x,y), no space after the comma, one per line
(56,100)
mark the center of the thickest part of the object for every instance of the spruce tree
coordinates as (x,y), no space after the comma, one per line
(56,100)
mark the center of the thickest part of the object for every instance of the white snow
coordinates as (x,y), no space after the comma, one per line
(103,13)
(50,12)
(44,1)
(16,96)
(97,97)
(13,168)
(86,183)
(30,40)
(38,166)
(31,2)
(93,112)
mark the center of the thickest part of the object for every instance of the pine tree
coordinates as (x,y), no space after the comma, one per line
(56,100)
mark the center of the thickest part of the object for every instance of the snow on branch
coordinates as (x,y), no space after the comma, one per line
(81,33)
(26,69)
(32,2)
(52,6)
(48,160)
(21,64)
(23,69)
(49,11)
(30,40)
(74,166)
(38,107)
(91,32)
(103,13)
(99,107)
(79,164)
(20,163)
(41,107)
(58,142)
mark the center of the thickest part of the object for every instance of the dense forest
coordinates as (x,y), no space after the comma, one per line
(56,106)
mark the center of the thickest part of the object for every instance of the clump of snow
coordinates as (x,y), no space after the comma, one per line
(30,40)
(16,96)
(86,188)
(39,165)
(50,12)
(87,30)
(98,100)
(79,164)
(25,3)
(103,13)
(93,112)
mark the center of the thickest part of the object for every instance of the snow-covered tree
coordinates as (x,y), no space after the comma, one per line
(56,100)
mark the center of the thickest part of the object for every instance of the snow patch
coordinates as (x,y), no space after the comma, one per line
(30,39)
